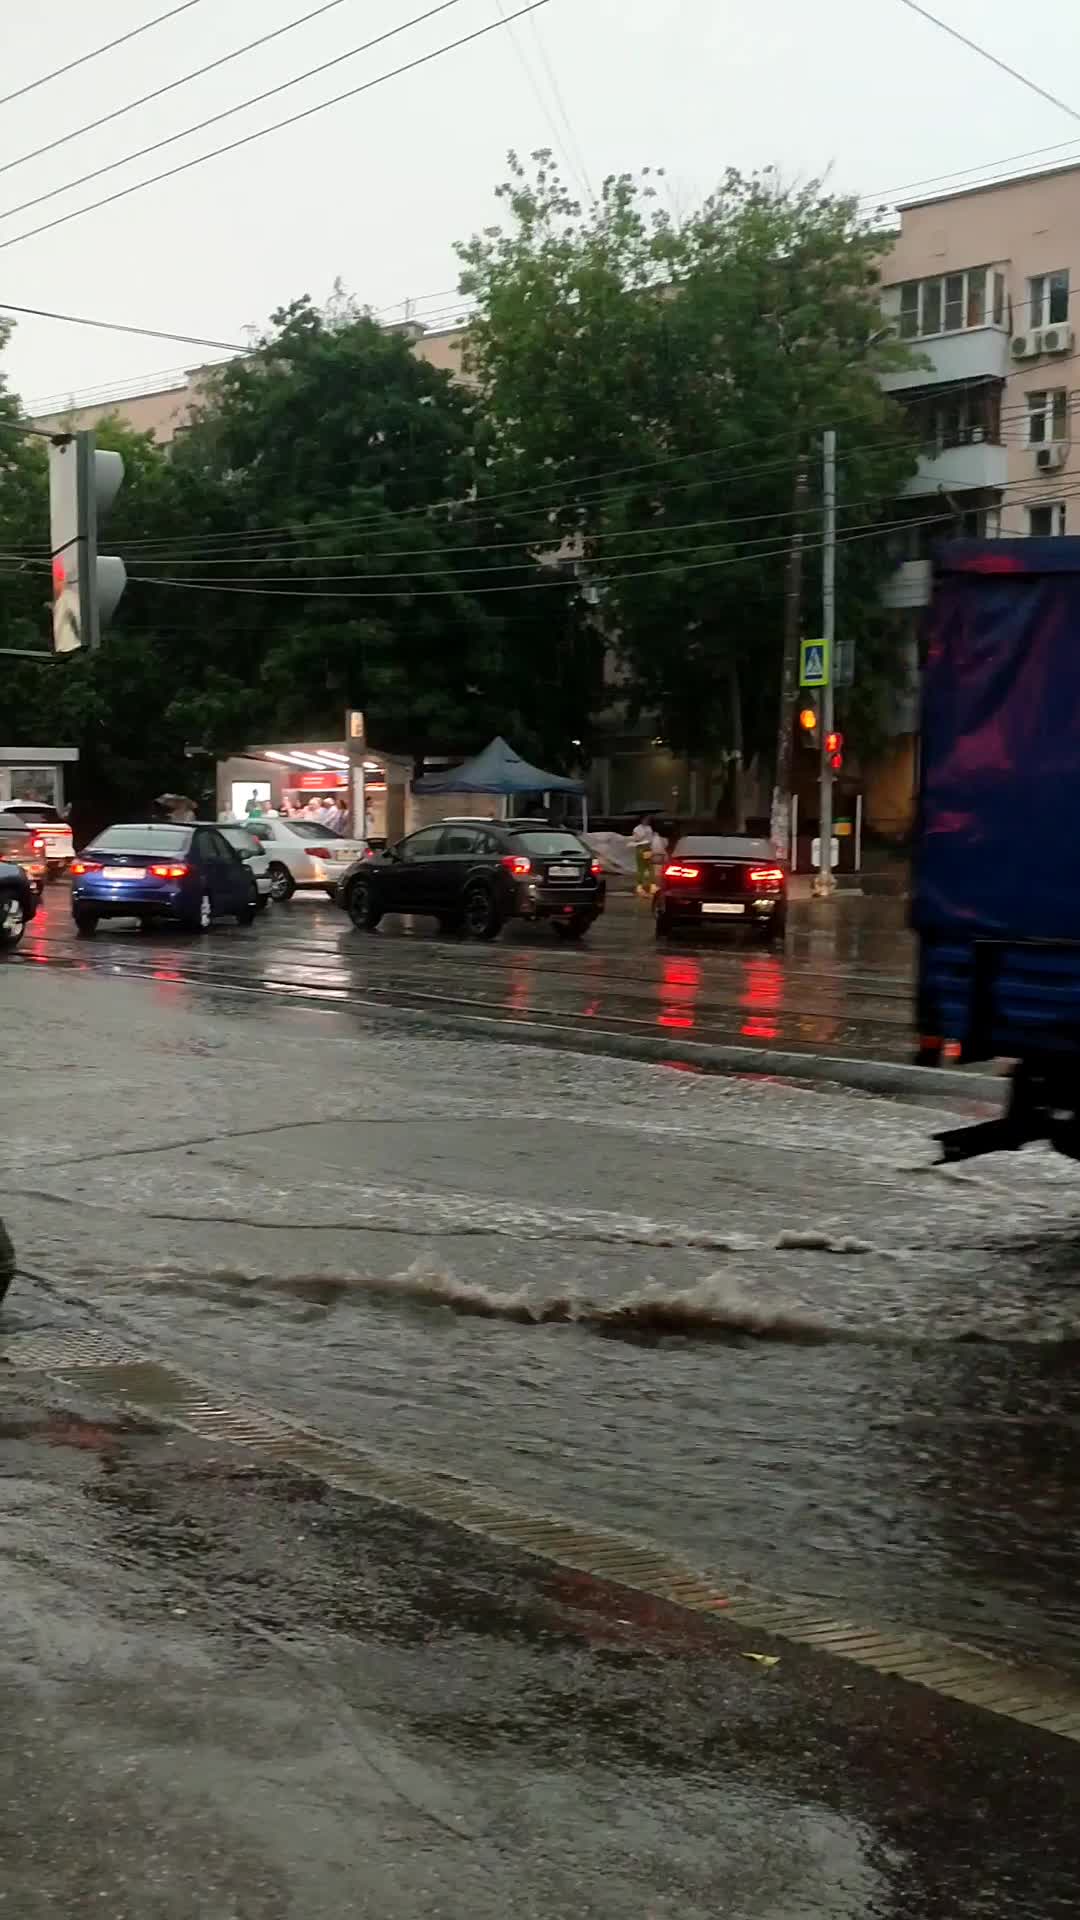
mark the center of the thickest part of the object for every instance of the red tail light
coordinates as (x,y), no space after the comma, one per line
(678,872)
(597,869)
(319,853)
(37,844)
(86,866)
(518,864)
(767,876)
(169,873)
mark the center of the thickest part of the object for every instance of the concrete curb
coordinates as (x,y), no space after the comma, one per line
(869,1076)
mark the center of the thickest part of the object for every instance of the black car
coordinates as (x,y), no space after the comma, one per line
(474,875)
(18,902)
(722,881)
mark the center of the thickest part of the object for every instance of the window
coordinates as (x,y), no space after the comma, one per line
(1048,416)
(462,840)
(150,840)
(545,841)
(1048,298)
(1046,520)
(422,845)
(949,303)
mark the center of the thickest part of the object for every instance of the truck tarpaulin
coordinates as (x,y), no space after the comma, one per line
(999,830)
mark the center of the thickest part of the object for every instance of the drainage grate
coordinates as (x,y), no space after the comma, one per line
(95,1363)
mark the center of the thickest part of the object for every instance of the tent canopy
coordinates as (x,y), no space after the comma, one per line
(498,769)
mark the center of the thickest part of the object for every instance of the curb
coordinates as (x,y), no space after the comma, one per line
(864,1076)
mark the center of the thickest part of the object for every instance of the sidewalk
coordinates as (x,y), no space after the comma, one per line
(233,1693)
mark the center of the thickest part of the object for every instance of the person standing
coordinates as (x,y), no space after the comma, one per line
(642,842)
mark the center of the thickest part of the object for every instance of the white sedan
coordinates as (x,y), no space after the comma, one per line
(302,853)
(254,856)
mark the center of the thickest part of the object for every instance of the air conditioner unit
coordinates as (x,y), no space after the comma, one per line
(1024,346)
(1057,339)
(1053,455)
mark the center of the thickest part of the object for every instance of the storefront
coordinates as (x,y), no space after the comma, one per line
(295,777)
(35,773)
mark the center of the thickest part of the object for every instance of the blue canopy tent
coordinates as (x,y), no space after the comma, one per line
(499,770)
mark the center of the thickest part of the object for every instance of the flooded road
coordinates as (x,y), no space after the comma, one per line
(750,1320)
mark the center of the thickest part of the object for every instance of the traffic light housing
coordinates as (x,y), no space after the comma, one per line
(87,586)
(834,751)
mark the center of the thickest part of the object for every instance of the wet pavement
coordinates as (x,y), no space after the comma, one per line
(749,1320)
(842,985)
(232,1693)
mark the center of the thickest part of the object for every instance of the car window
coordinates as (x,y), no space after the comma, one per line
(421,846)
(28,811)
(312,830)
(243,841)
(729,846)
(545,841)
(217,846)
(261,830)
(152,839)
(463,840)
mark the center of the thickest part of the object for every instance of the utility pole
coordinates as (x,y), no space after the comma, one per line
(780,822)
(825,883)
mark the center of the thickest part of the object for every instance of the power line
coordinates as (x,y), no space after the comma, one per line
(985,54)
(170,87)
(888,195)
(199,126)
(96,52)
(560,102)
(294,119)
(120,326)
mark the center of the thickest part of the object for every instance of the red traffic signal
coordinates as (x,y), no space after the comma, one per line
(834,743)
(836,762)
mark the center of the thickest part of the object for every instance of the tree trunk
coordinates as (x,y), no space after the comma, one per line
(789,670)
(738,772)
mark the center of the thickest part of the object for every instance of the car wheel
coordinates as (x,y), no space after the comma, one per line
(361,907)
(12,919)
(574,926)
(481,915)
(86,925)
(202,919)
(282,884)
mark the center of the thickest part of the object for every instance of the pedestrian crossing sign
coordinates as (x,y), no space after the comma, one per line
(814,663)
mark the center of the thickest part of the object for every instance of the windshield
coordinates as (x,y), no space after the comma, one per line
(725,847)
(143,840)
(311,830)
(34,811)
(245,842)
(549,840)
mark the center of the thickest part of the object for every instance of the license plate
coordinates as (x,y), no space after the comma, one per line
(721,906)
(564,873)
(55,846)
(123,873)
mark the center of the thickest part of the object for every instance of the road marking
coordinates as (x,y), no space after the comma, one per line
(94,1362)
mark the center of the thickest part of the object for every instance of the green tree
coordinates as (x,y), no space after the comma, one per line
(657,384)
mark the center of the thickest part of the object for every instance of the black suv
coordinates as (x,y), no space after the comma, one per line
(474,875)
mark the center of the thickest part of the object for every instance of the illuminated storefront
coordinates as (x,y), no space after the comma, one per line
(295,776)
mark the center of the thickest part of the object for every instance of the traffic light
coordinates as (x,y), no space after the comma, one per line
(834,750)
(87,586)
(808,722)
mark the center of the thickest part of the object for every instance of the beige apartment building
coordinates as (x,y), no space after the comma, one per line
(164,407)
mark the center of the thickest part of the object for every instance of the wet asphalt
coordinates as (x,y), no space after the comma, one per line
(749,1320)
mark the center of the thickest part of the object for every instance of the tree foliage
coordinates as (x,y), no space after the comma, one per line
(659,380)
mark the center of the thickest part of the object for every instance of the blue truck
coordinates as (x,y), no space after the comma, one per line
(996,893)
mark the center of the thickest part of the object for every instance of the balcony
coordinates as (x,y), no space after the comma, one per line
(978,353)
(907,587)
(955,469)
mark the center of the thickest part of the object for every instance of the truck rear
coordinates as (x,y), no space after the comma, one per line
(996,901)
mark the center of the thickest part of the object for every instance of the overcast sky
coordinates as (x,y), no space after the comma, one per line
(377,189)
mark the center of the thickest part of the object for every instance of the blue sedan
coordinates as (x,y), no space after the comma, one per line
(188,874)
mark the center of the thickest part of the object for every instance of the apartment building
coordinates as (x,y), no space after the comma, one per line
(164,406)
(981,284)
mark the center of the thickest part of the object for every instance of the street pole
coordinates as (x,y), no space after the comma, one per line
(826,882)
(780,818)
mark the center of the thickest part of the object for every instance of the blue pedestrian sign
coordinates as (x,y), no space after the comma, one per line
(813,663)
